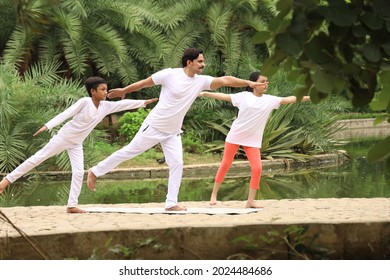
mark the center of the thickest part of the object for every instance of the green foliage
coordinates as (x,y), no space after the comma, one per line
(77,35)
(12,145)
(191,143)
(143,36)
(126,252)
(335,47)
(296,241)
(130,122)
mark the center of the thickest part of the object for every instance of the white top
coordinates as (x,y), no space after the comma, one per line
(87,116)
(178,92)
(247,129)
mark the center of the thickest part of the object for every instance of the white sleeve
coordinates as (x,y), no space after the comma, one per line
(276,101)
(126,104)
(236,99)
(68,113)
(159,77)
(207,82)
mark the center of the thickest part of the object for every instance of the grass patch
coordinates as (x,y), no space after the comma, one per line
(150,157)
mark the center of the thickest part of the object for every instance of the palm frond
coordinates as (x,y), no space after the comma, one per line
(129,14)
(180,40)
(218,20)
(112,40)
(256,22)
(74,48)
(149,45)
(12,146)
(232,51)
(43,73)
(127,71)
(246,5)
(7,21)
(222,128)
(75,7)
(48,50)
(177,12)
(106,49)
(15,49)
(8,107)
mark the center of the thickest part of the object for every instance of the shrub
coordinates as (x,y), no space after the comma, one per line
(191,143)
(130,122)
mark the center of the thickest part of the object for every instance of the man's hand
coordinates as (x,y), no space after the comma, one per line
(42,129)
(150,101)
(116,92)
(257,84)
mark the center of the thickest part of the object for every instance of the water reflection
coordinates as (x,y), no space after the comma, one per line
(355,179)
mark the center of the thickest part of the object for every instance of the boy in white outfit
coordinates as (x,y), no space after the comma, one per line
(179,89)
(87,113)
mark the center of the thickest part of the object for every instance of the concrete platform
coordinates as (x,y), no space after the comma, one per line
(285,229)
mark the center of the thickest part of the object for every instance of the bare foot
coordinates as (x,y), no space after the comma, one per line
(73,210)
(176,208)
(3,184)
(91,180)
(213,201)
(253,205)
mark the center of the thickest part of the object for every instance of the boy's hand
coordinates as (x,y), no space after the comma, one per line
(42,129)
(116,92)
(150,101)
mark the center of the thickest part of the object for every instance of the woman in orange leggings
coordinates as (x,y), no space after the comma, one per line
(254,107)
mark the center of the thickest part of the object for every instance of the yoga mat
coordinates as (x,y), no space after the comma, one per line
(210,211)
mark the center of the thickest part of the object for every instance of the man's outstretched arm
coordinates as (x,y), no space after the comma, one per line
(121,92)
(230,81)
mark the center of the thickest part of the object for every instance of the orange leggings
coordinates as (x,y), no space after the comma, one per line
(253,155)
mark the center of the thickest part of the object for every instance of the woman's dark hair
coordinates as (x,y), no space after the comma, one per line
(254,76)
(93,83)
(190,54)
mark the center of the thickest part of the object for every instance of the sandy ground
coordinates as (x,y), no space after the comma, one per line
(41,220)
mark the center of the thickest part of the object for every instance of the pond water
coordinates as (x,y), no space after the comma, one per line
(354,179)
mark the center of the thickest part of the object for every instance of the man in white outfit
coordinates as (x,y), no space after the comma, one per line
(87,112)
(179,89)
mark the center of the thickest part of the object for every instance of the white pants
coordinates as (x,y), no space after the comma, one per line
(146,138)
(55,146)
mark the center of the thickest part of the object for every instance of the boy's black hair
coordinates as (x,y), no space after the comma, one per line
(190,54)
(93,83)
(254,76)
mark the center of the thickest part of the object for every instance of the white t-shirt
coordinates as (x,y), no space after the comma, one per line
(178,92)
(87,116)
(247,129)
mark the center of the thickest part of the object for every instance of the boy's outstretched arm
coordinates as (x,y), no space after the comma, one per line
(42,129)
(293,99)
(121,92)
(217,95)
(150,101)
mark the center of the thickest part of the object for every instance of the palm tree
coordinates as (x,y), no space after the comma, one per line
(86,37)
(223,29)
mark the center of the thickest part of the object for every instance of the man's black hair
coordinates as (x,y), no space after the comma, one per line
(190,54)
